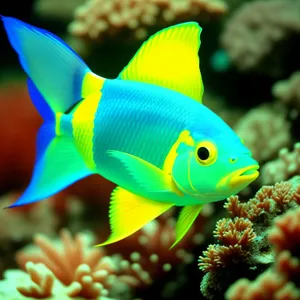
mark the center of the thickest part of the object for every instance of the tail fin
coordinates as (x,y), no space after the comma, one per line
(58,79)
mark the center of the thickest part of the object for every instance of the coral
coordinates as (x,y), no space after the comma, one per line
(71,268)
(279,281)
(265,131)
(282,168)
(269,199)
(243,248)
(55,9)
(97,20)
(285,235)
(234,232)
(217,256)
(236,236)
(288,91)
(269,285)
(258,32)
(155,239)
(17,225)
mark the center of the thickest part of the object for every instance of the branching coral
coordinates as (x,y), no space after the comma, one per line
(265,131)
(257,32)
(284,167)
(154,242)
(269,199)
(243,249)
(288,91)
(235,235)
(96,20)
(280,281)
(70,268)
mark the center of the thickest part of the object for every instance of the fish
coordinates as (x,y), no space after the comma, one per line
(147,130)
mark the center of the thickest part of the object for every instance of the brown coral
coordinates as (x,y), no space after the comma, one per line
(217,256)
(288,91)
(236,235)
(284,167)
(234,232)
(263,140)
(268,199)
(247,231)
(96,20)
(280,280)
(256,31)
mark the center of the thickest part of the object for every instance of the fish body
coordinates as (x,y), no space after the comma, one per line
(147,130)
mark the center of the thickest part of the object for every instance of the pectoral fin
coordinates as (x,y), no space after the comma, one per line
(186,218)
(147,176)
(129,212)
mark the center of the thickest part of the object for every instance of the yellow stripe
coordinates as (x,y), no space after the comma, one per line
(84,116)
(184,137)
(83,127)
(91,84)
(58,117)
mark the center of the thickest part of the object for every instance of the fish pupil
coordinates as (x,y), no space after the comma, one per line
(203,153)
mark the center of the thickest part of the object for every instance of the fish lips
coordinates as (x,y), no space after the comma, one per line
(240,178)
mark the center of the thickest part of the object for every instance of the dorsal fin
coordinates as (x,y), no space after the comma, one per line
(170,59)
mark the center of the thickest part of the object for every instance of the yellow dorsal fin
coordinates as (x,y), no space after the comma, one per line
(170,59)
(129,212)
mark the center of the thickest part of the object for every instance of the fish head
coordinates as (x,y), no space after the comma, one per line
(215,167)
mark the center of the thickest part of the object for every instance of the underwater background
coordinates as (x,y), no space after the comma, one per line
(246,247)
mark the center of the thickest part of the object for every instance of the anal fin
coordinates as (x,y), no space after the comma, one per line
(129,212)
(186,219)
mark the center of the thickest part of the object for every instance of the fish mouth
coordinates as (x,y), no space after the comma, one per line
(240,177)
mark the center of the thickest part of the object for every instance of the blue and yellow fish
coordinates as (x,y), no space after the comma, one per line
(147,130)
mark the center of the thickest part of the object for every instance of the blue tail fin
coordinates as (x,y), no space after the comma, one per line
(58,79)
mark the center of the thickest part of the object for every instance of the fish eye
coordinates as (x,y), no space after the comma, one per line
(206,153)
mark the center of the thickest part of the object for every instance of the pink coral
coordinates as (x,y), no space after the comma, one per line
(269,285)
(285,235)
(82,271)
